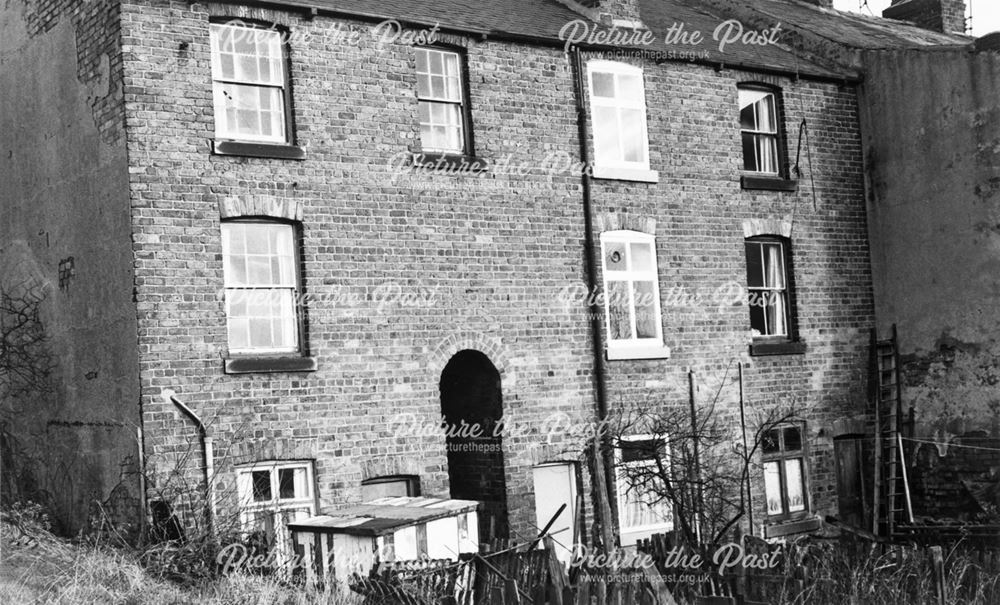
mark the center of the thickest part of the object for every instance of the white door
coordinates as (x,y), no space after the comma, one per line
(555,485)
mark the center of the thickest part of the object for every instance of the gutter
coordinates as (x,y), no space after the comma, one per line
(207,449)
(310,11)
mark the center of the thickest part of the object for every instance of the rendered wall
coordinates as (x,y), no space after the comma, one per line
(64,193)
(933,150)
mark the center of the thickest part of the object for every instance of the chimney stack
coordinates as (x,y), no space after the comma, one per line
(946,16)
(621,13)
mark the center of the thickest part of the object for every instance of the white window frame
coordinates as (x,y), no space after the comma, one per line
(276,505)
(295,289)
(775,134)
(780,457)
(460,102)
(631,535)
(279,83)
(620,169)
(634,347)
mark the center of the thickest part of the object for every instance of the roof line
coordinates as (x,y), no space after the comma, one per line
(312,9)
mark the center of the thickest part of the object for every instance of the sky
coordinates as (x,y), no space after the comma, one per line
(985,13)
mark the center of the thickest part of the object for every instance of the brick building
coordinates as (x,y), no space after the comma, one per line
(322,232)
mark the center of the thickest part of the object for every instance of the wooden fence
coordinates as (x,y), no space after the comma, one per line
(813,570)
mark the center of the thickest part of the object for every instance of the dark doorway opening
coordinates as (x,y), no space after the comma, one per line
(472,406)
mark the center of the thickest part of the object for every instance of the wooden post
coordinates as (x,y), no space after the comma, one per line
(699,504)
(603,512)
(937,572)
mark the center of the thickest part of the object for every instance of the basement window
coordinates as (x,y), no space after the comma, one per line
(632,296)
(394,486)
(251,92)
(784,457)
(640,461)
(271,495)
(618,117)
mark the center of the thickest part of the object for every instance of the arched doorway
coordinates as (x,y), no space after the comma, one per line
(472,406)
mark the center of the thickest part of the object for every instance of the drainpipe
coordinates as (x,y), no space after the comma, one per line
(169,395)
(589,253)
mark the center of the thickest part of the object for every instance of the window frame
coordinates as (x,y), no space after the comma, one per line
(620,168)
(276,505)
(634,347)
(225,142)
(780,457)
(781,155)
(621,491)
(465,102)
(301,349)
(412,483)
(775,344)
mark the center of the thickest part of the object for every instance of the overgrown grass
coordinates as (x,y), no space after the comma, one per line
(868,575)
(36,567)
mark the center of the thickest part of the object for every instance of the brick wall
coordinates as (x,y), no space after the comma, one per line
(493,252)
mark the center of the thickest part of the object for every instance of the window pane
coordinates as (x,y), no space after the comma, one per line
(645,310)
(758,316)
(618,310)
(793,439)
(772,488)
(614,256)
(750,152)
(636,450)
(606,135)
(766,119)
(771,443)
(755,265)
(775,312)
(630,88)
(795,484)
(633,142)
(766,153)
(423,85)
(261,485)
(642,257)
(292,483)
(756,109)
(604,84)
(239,333)
(436,62)
(774,266)
(422,61)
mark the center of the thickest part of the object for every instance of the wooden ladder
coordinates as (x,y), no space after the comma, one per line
(893,508)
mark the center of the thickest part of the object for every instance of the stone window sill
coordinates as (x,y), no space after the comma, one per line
(269,365)
(451,163)
(791,527)
(638,352)
(758,182)
(761,348)
(638,175)
(279,151)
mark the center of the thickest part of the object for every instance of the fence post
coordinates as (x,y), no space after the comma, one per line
(937,569)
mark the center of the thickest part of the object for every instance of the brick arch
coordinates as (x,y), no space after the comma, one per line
(260,205)
(768,226)
(278,447)
(619,221)
(395,465)
(491,347)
